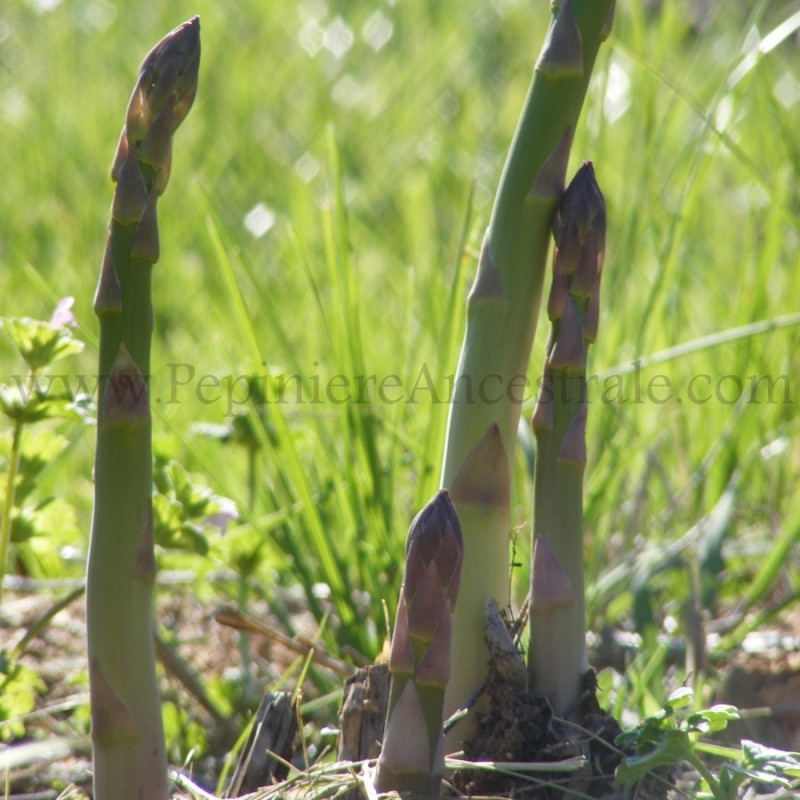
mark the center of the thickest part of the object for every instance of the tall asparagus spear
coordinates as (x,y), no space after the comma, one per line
(412,758)
(502,311)
(557,657)
(127,729)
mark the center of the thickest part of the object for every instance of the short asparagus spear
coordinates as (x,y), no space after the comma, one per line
(502,311)
(127,730)
(412,758)
(557,657)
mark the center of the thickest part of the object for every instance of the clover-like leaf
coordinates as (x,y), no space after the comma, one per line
(182,509)
(41,343)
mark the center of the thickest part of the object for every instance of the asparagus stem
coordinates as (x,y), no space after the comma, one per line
(557,657)
(502,311)
(127,729)
(412,758)
(10,491)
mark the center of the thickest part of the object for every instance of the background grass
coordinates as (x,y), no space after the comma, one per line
(367,139)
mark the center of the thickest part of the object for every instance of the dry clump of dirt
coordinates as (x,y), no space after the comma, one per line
(520,727)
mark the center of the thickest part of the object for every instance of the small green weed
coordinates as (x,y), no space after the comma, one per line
(671,737)
(32,398)
(19,686)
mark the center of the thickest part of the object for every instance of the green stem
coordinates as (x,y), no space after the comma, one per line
(127,731)
(244,636)
(129,751)
(713,784)
(8,507)
(557,657)
(557,652)
(502,312)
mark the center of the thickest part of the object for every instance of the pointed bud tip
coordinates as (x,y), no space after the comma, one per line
(145,243)
(559,289)
(587,270)
(579,228)
(434,547)
(562,53)
(108,296)
(146,556)
(573,445)
(155,149)
(551,584)
(170,69)
(483,478)
(433,668)
(569,351)
(425,603)
(549,182)
(591,319)
(401,653)
(405,745)
(126,397)
(542,418)
(130,196)
(584,200)
(488,283)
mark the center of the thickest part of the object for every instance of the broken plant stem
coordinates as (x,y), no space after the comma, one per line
(502,311)
(557,657)
(127,729)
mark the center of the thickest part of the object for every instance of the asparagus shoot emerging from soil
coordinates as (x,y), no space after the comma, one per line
(502,311)
(412,758)
(127,729)
(557,657)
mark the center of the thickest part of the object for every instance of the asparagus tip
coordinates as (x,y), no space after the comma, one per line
(434,550)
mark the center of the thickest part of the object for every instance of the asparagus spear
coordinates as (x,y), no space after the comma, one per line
(127,729)
(557,658)
(412,758)
(502,311)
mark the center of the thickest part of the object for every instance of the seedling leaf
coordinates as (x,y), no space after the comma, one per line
(712,719)
(673,748)
(680,698)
